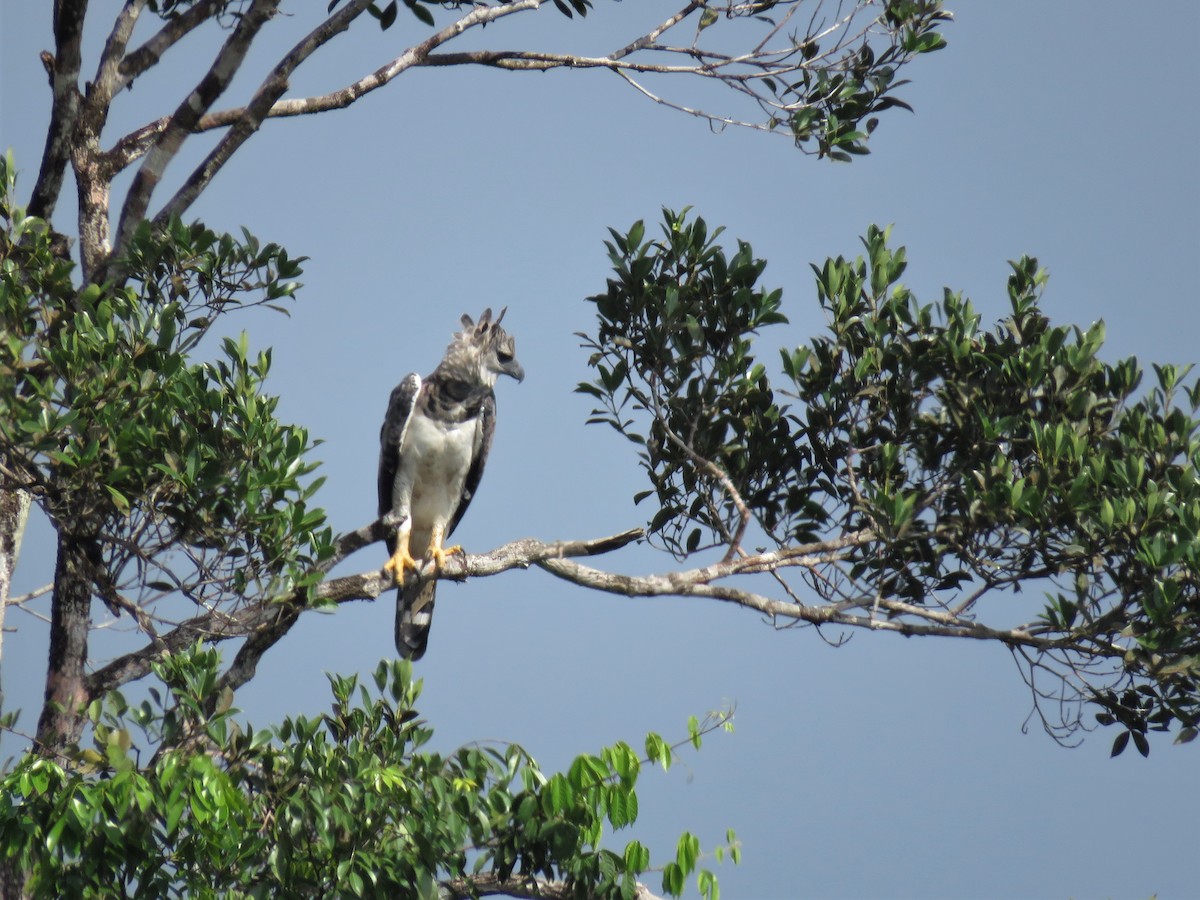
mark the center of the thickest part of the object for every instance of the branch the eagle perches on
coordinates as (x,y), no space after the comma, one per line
(264,623)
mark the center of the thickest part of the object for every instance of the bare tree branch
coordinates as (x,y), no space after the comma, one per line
(718,122)
(260,104)
(414,56)
(167,134)
(263,623)
(68,35)
(108,76)
(30,595)
(183,122)
(705,64)
(266,621)
(135,144)
(148,54)
(749,73)
(92,172)
(422,55)
(655,33)
(699,583)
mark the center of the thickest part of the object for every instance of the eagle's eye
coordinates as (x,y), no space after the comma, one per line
(504,356)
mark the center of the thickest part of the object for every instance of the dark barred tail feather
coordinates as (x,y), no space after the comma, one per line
(414,615)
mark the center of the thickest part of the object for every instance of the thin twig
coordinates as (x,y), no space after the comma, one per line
(32,595)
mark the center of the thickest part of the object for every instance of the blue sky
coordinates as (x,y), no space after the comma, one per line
(885,768)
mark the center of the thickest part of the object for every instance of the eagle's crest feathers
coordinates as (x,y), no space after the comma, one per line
(480,353)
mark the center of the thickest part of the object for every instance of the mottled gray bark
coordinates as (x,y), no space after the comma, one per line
(14,511)
(67,696)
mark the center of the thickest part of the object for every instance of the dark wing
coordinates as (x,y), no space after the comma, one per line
(484,430)
(395,423)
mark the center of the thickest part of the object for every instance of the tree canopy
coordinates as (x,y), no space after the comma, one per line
(915,467)
(907,471)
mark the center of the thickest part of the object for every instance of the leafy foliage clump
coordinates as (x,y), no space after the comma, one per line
(345,804)
(675,341)
(920,461)
(176,468)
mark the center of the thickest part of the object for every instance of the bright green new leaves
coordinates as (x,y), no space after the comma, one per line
(126,440)
(347,804)
(964,461)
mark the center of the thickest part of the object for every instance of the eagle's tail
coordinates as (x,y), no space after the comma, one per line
(414,615)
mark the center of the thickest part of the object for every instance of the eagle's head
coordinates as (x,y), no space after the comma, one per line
(483,351)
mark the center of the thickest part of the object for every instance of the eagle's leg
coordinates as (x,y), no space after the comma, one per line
(436,551)
(401,558)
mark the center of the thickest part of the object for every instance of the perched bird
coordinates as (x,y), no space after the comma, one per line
(433,446)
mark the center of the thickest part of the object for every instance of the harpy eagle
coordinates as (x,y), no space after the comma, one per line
(433,445)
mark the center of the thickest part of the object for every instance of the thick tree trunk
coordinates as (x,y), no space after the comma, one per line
(12,881)
(61,722)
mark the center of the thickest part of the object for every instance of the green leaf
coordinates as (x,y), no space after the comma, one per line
(930,42)
(672,879)
(637,857)
(388,16)
(1140,742)
(1119,744)
(422,13)
(120,501)
(636,233)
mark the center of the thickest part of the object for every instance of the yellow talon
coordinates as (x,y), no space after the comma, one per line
(439,554)
(401,560)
